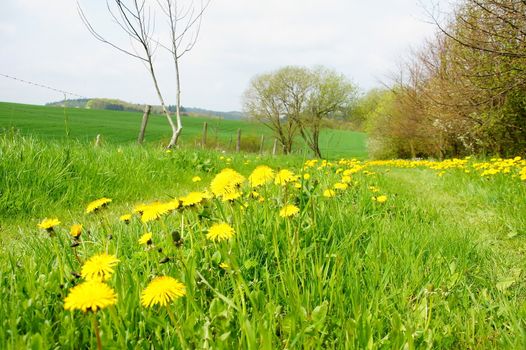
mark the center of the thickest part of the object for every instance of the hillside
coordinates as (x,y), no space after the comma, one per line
(123,127)
(119,105)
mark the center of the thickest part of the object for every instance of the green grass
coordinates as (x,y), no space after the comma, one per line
(439,265)
(123,127)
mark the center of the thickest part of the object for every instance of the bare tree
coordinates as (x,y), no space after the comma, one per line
(190,18)
(137,19)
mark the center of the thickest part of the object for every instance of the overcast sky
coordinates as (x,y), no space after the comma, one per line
(46,42)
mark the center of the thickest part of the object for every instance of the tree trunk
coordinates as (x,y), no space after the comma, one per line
(177,130)
(145,116)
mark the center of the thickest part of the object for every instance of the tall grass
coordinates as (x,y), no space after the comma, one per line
(438,265)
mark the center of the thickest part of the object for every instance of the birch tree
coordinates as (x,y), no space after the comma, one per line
(137,20)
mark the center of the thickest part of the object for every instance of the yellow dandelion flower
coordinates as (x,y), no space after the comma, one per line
(173,204)
(220,231)
(227,183)
(139,208)
(288,211)
(90,296)
(97,205)
(48,224)
(196,179)
(306,176)
(297,185)
(162,290)
(99,267)
(192,198)
(155,210)
(329,193)
(146,238)
(224,266)
(261,175)
(346,179)
(341,186)
(380,199)
(230,196)
(374,189)
(75,230)
(126,218)
(284,176)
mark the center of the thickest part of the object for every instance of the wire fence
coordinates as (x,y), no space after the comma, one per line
(63,92)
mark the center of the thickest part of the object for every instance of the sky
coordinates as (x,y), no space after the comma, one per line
(46,42)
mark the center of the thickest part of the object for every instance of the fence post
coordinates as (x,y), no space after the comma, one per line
(205,132)
(97,140)
(145,116)
(261,144)
(238,144)
(275,147)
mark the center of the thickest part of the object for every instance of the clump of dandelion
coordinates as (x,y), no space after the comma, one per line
(261,175)
(306,176)
(329,193)
(288,211)
(97,205)
(162,290)
(284,176)
(99,267)
(49,225)
(91,295)
(220,231)
(226,184)
(380,199)
(346,179)
(75,231)
(196,179)
(341,186)
(192,199)
(155,210)
(146,239)
(126,218)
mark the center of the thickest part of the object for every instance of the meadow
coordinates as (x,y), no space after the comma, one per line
(174,251)
(120,127)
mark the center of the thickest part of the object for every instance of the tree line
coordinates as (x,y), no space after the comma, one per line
(463,92)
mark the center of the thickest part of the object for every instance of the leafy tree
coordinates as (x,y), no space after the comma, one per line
(296,100)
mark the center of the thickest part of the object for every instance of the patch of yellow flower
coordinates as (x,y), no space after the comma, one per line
(97,205)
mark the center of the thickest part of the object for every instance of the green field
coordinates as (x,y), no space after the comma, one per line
(122,127)
(438,265)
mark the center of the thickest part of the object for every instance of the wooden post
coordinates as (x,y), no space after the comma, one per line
(238,144)
(275,147)
(145,116)
(261,144)
(97,140)
(205,132)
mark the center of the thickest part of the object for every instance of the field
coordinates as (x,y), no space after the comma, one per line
(121,127)
(340,254)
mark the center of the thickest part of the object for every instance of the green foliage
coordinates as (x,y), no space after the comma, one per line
(462,92)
